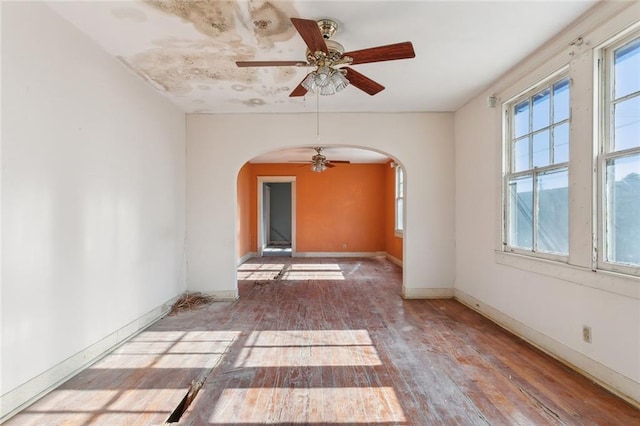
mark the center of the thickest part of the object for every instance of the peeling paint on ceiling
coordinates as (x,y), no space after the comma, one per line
(183,66)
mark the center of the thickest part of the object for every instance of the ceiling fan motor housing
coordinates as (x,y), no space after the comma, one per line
(336,50)
(328,28)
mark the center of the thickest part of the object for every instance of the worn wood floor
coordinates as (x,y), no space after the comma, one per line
(328,341)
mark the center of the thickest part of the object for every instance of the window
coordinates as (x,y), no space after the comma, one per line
(399,199)
(537,171)
(619,160)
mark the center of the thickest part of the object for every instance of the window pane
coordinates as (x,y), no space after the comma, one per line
(399,198)
(521,212)
(399,214)
(627,124)
(521,155)
(541,149)
(623,210)
(553,212)
(541,104)
(521,119)
(561,143)
(561,100)
(627,69)
(539,139)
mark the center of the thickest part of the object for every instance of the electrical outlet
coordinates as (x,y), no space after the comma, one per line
(586,333)
(344,246)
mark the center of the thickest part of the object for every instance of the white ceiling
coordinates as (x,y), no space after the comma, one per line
(339,153)
(187,50)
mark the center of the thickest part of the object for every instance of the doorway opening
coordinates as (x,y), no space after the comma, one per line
(276,215)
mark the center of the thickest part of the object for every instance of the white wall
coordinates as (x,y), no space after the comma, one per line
(546,302)
(93,201)
(218,146)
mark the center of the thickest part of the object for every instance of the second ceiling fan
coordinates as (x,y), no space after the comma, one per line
(319,162)
(330,60)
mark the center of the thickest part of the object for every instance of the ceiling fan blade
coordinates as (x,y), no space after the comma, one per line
(299,90)
(310,33)
(271,64)
(328,164)
(339,161)
(390,52)
(363,82)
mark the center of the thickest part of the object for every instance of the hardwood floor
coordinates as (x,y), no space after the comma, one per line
(328,341)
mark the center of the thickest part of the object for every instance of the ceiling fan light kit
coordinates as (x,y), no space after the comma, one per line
(331,74)
(318,167)
(319,162)
(327,81)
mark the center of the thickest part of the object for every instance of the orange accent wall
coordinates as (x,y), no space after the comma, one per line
(393,244)
(352,204)
(343,205)
(244,211)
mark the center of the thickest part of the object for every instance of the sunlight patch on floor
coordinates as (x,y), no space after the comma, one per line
(259,272)
(313,348)
(315,267)
(293,272)
(308,356)
(309,337)
(313,271)
(89,406)
(154,349)
(308,405)
(313,275)
(127,379)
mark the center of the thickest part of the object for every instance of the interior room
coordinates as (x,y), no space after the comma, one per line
(387,182)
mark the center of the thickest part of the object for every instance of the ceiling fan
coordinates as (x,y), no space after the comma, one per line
(319,162)
(330,60)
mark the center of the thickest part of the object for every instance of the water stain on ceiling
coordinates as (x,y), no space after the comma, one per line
(181,70)
(180,66)
(216,19)
(272,24)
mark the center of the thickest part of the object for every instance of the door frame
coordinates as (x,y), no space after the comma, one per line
(262,240)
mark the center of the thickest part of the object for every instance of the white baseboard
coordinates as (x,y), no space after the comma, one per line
(622,386)
(246,257)
(393,259)
(224,295)
(427,293)
(339,254)
(26,394)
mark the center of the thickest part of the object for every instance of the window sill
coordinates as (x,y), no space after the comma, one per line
(399,234)
(612,282)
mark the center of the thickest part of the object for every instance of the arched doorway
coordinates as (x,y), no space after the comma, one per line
(345,211)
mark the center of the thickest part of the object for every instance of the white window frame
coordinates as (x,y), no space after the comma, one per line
(508,174)
(603,120)
(400,179)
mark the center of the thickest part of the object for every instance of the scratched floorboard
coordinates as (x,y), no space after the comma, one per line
(329,341)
